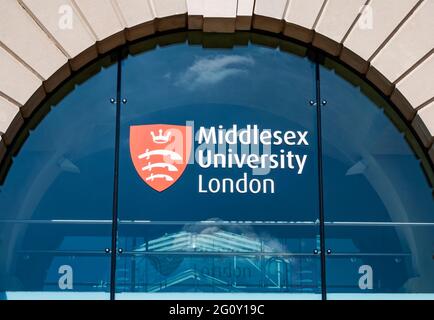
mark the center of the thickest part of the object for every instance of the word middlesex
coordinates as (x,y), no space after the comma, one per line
(251,135)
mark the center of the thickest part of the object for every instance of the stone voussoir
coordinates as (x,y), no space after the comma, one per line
(415,89)
(11,120)
(170,14)
(411,43)
(20,84)
(300,19)
(105,22)
(244,14)
(2,149)
(138,18)
(30,44)
(378,21)
(62,22)
(424,125)
(219,16)
(336,20)
(431,154)
(268,15)
(195,10)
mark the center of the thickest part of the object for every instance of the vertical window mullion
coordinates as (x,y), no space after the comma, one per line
(116,180)
(320,178)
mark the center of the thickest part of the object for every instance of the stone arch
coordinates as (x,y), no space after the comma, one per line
(389,42)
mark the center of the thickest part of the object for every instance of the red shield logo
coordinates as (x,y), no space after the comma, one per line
(160,153)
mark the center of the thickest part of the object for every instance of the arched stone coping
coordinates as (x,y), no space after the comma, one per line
(389,41)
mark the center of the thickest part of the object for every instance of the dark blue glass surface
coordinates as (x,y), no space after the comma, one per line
(190,85)
(218,273)
(379,207)
(371,172)
(398,255)
(65,168)
(250,85)
(56,201)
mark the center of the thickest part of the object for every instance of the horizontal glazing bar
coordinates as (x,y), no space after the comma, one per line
(217,223)
(38,295)
(207,253)
(66,252)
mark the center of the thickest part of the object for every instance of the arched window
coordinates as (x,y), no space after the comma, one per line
(294,177)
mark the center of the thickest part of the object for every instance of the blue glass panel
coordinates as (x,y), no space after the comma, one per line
(368,260)
(397,258)
(56,200)
(139,272)
(187,227)
(47,272)
(379,207)
(55,236)
(218,237)
(65,168)
(371,172)
(249,85)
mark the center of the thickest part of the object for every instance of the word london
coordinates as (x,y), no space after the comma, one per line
(251,138)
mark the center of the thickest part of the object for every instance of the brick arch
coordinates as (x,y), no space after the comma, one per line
(390,42)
